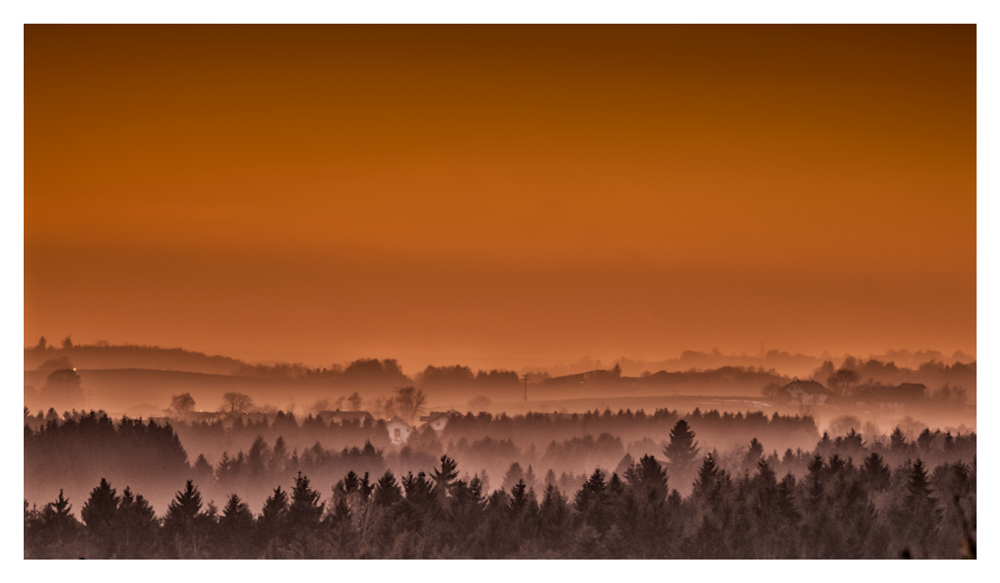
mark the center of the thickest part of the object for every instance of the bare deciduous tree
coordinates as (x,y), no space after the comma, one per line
(410,401)
(237,402)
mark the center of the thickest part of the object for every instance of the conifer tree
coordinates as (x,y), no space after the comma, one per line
(100,514)
(648,479)
(682,451)
(444,477)
(387,490)
(875,473)
(305,510)
(135,527)
(513,476)
(920,512)
(272,525)
(58,523)
(704,485)
(184,525)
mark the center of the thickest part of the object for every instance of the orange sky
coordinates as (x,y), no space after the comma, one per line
(499,196)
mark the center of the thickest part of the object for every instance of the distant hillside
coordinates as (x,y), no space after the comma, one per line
(118,390)
(148,357)
(140,391)
(723,381)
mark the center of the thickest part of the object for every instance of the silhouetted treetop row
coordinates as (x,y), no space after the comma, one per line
(838,510)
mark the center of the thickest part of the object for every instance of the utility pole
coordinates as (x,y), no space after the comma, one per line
(525,387)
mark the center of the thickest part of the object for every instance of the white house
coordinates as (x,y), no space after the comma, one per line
(399,431)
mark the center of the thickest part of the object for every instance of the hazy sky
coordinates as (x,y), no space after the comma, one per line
(501,195)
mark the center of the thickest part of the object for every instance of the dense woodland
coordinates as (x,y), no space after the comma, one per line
(843,498)
(257,452)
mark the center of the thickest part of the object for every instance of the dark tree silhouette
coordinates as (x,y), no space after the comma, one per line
(236,528)
(272,526)
(682,451)
(100,514)
(708,475)
(648,479)
(135,527)
(444,477)
(920,513)
(236,402)
(514,475)
(185,526)
(53,531)
(387,490)
(305,509)
(181,405)
(842,380)
(839,499)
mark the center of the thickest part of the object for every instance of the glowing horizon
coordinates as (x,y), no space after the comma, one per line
(501,196)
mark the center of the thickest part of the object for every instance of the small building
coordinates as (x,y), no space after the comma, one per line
(806,393)
(359,418)
(438,420)
(399,431)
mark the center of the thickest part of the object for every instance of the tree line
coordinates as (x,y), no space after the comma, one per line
(844,506)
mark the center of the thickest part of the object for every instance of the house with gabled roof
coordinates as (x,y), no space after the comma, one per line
(806,393)
(438,420)
(399,431)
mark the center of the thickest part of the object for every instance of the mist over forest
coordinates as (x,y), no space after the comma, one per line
(518,275)
(140,380)
(214,457)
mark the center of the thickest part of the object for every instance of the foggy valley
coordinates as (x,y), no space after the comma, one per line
(643,291)
(227,459)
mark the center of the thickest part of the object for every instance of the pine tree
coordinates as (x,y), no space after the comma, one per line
(58,524)
(100,514)
(592,499)
(203,470)
(387,490)
(419,492)
(185,507)
(236,515)
(519,497)
(704,485)
(135,527)
(875,473)
(920,512)
(648,480)
(184,524)
(235,529)
(272,526)
(365,488)
(444,477)
(682,450)
(513,476)
(529,478)
(255,458)
(305,510)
